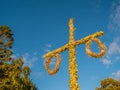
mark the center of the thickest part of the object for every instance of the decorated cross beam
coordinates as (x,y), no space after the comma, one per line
(71,45)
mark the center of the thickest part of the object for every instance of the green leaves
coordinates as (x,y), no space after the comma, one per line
(13,75)
(26,70)
(9,44)
(6,41)
(109,84)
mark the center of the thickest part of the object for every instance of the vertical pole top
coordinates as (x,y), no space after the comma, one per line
(71,24)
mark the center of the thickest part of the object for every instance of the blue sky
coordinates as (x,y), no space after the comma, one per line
(40,26)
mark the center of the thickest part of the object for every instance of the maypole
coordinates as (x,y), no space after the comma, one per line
(73,82)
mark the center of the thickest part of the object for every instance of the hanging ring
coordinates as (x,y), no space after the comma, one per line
(57,65)
(101,46)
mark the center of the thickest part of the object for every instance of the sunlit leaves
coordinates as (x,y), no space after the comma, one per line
(109,84)
(6,41)
(13,75)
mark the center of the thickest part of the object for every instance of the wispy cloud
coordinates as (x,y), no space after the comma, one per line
(116,75)
(113,52)
(30,59)
(114,22)
(14,56)
(114,47)
(106,61)
(38,74)
(47,48)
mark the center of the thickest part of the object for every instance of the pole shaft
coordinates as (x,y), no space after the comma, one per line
(73,82)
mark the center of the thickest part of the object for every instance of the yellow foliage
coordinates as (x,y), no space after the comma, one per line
(109,84)
(13,75)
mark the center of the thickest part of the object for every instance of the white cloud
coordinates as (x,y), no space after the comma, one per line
(47,48)
(114,23)
(106,61)
(38,74)
(29,59)
(48,45)
(114,46)
(116,75)
(14,56)
(113,52)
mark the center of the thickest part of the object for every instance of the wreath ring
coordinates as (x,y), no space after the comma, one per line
(100,45)
(57,65)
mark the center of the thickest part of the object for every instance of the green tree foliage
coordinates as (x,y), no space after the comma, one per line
(6,41)
(109,84)
(13,75)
